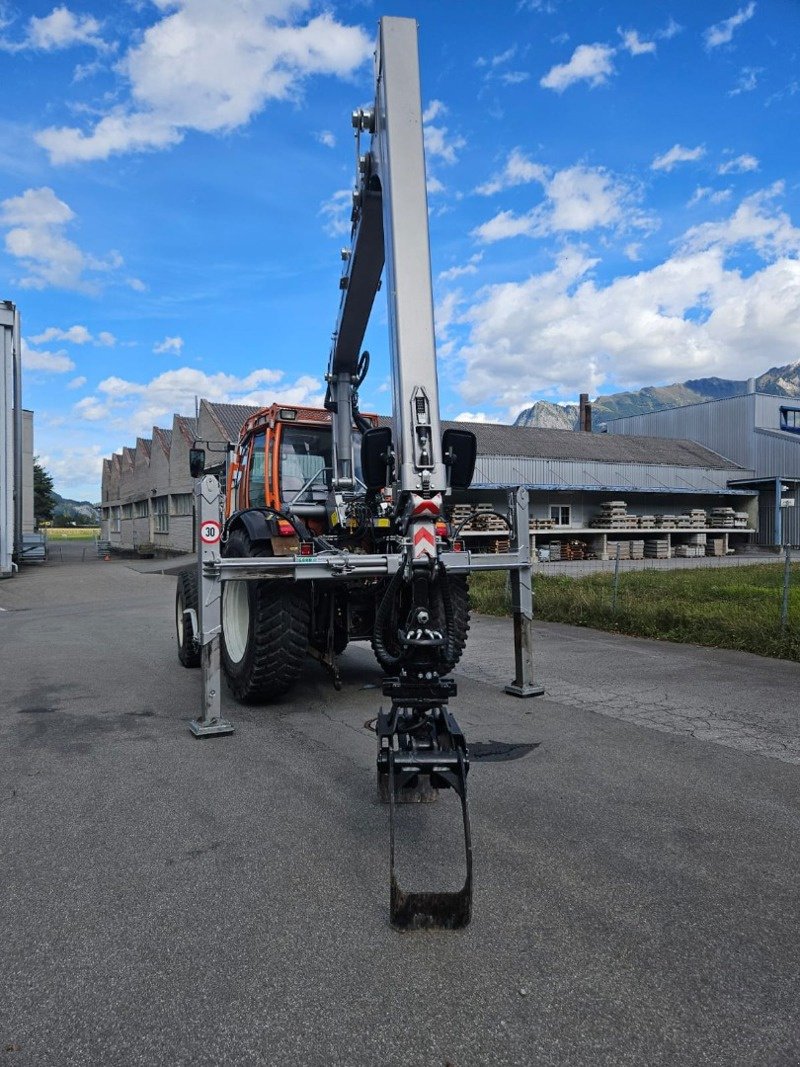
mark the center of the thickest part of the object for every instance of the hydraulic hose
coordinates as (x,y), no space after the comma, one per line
(382,616)
(449,617)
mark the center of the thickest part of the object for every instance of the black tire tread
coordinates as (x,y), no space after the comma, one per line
(280,620)
(186,589)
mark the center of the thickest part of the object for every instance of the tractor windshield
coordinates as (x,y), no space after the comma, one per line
(306,452)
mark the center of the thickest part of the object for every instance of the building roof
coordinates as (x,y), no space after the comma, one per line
(164,438)
(230,417)
(496,439)
(535,442)
(187,427)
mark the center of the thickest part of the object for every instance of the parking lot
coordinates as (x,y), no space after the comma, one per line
(174,901)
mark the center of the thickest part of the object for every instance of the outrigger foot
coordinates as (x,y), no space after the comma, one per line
(422,750)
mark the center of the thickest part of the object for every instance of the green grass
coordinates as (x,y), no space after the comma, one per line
(731,607)
(72,533)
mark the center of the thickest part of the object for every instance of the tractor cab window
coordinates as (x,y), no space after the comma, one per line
(305,458)
(256,462)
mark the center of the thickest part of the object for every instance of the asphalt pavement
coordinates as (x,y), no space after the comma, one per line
(168,900)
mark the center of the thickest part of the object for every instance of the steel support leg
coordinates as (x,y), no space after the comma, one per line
(522,603)
(207,497)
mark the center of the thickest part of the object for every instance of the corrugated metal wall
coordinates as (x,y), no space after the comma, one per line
(724,426)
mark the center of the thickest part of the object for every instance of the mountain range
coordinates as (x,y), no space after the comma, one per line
(780,381)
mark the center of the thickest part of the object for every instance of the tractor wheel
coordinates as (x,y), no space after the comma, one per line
(459,595)
(186,600)
(265,630)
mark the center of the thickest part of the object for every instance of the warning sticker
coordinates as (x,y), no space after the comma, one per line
(210,532)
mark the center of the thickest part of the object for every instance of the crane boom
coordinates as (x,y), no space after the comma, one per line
(390,223)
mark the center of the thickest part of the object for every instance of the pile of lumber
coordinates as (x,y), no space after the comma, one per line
(656,549)
(728,519)
(613,515)
(482,521)
(689,551)
(541,524)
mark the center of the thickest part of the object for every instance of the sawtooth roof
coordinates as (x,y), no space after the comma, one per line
(230,417)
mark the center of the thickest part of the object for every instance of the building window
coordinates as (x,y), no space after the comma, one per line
(127,511)
(140,509)
(559,514)
(182,503)
(114,520)
(790,420)
(161,514)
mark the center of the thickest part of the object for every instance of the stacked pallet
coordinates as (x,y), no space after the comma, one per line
(647,522)
(715,546)
(728,519)
(541,524)
(668,522)
(483,520)
(656,549)
(637,549)
(698,518)
(576,550)
(554,549)
(689,551)
(624,548)
(613,515)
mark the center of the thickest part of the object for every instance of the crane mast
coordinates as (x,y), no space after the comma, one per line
(390,226)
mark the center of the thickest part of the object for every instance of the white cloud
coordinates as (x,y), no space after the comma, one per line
(470,267)
(326,137)
(677,154)
(74,467)
(589,62)
(705,192)
(435,186)
(56,31)
(77,383)
(722,32)
(518,170)
(76,335)
(211,65)
(748,80)
(37,220)
(740,165)
(133,408)
(755,223)
(577,199)
(51,362)
(695,314)
(632,42)
(170,344)
(439,142)
(336,211)
(472,416)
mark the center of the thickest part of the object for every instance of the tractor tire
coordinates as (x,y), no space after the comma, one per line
(459,594)
(186,599)
(265,631)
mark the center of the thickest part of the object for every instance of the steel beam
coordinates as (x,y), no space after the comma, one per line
(208,511)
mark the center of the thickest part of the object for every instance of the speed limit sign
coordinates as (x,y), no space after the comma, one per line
(210,532)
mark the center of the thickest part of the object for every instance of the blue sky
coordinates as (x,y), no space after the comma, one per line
(613,193)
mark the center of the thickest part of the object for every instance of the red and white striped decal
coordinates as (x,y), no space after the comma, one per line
(422,506)
(424,542)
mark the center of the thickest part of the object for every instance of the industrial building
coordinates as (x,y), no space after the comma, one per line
(758,431)
(583,487)
(16,448)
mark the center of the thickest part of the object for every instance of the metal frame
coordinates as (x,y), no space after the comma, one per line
(208,507)
(10,439)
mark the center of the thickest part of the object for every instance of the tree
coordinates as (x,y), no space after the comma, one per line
(44,497)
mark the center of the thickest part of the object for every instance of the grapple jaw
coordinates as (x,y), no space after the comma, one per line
(421,750)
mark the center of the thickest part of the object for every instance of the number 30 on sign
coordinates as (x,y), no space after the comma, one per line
(210,532)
